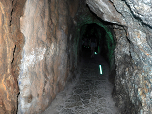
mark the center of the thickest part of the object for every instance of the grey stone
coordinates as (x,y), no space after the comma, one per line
(86,102)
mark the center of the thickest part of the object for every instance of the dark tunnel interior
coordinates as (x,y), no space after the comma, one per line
(104,41)
(96,32)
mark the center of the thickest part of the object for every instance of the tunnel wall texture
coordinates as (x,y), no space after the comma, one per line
(38,52)
(46,61)
(11,42)
(109,48)
(133,53)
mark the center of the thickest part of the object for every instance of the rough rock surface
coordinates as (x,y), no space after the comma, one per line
(11,41)
(133,53)
(141,9)
(49,56)
(105,10)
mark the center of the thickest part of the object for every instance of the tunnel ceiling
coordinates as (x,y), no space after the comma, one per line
(92,29)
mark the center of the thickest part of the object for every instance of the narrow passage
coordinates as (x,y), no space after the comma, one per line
(91,93)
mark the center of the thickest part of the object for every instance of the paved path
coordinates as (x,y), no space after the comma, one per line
(91,94)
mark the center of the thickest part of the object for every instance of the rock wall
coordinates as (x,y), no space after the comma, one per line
(49,56)
(125,76)
(11,42)
(133,52)
(38,52)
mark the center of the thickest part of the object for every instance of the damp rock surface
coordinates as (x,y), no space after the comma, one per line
(90,94)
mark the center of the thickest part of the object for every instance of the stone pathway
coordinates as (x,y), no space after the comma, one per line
(91,94)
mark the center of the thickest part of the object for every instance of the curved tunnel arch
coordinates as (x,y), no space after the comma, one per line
(109,43)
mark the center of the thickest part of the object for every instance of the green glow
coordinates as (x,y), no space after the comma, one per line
(95,53)
(100,69)
(85,19)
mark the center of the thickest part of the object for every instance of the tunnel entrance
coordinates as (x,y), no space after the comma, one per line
(89,31)
(104,38)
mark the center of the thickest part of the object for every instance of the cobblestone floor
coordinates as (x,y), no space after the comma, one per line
(91,94)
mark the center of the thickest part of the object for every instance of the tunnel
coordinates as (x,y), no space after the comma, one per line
(93,30)
(75,57)
(105,43)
